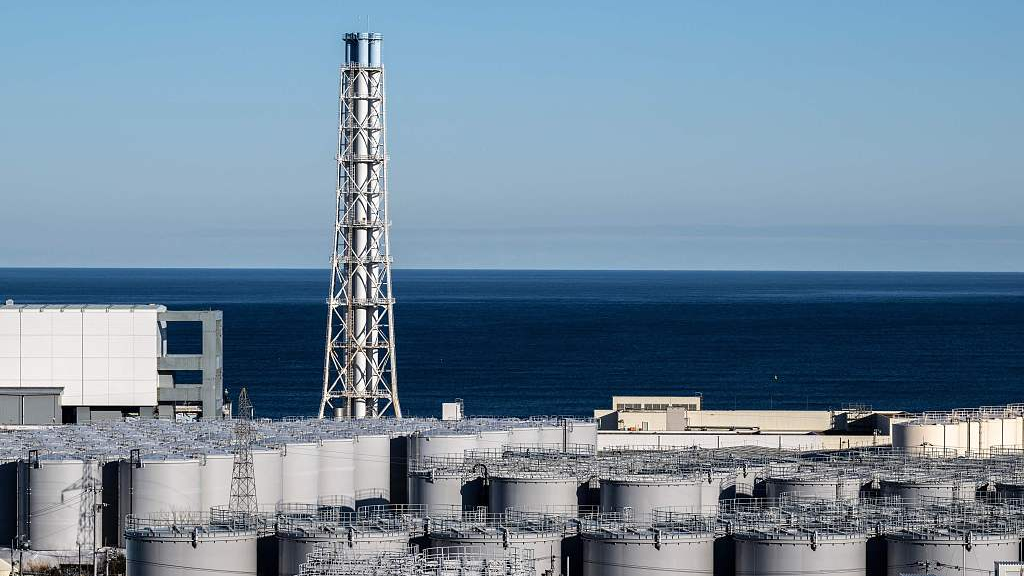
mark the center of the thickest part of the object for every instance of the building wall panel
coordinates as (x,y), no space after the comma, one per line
(10,372)
(10,323)
(99,356)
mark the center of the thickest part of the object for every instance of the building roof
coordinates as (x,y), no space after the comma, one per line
(11,305)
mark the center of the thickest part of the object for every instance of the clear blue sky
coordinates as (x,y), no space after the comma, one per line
(692,135)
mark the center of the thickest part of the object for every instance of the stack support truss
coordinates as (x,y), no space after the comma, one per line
(359,364)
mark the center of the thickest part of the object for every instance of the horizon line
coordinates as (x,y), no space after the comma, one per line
(499,269)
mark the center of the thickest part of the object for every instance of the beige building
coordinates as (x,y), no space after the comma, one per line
(643,412)
(682,421)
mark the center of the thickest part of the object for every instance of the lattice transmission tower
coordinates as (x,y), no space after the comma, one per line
(359,361)
(242,502)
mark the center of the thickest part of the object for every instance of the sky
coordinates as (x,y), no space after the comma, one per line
(799,135)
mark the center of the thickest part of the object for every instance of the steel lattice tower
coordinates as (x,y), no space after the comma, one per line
(243,477)
(359,361)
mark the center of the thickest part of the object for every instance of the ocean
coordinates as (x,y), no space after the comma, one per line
(564,342)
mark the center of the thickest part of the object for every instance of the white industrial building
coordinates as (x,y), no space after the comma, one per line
(107,360)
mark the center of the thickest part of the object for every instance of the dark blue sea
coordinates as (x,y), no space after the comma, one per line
(561,342)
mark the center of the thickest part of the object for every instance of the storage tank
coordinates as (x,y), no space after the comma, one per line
(444,487)
(372,477)
(540,535)
(925,432)
(969,433)
(267,469)
(339,503)
(827,486)
(1012,431)
(582,432)
(300,472)
(441,443)
(712,485)
(533,490)
(298,537)
(644,493)
(215,472)
(625,548)
(920,488)
(773,550)
(163,484)
(526,435)
(1010,487)
(949,551)
(337,468)
(9,500)
(475,561)
(549,435)
(178,546)
(990,432)
(63,494)
(749,482)
(492,439)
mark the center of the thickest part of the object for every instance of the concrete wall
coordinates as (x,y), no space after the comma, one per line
(211,362)
(765,420)
(680,419)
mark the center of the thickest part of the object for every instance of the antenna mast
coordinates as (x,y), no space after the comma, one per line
(359,360)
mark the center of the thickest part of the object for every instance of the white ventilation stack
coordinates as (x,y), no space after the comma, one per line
(359,362)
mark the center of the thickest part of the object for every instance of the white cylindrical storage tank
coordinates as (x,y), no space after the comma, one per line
(533,491)
(297,539)
(915,490)
(712,487)
(492,439)
(372,478)
(215,472)
(528,435)
(582,432)
(768,552)
(445,488)
(62,498)
(164,484)
(641,550)
(949,553)
(990,433)
(267,469)
(968,436)
(542,538)
(551,435)
(337,468)
(300,472)
(1011,429)
(918,434)
(644,493)
(449,445)
(748,481)
(176,548)
(956,432)
(826,487)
